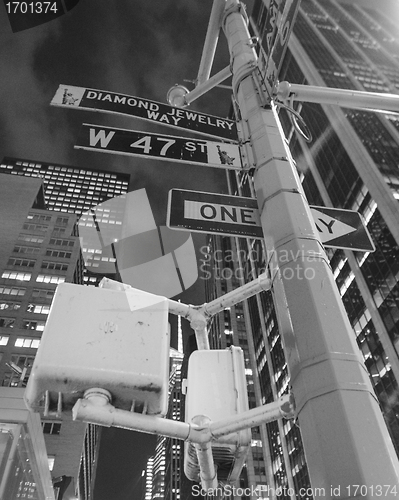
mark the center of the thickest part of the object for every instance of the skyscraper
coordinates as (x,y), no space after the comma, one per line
(149,474)
(38,250)
(351,163)
(67,188)
(73,190)
(174,447)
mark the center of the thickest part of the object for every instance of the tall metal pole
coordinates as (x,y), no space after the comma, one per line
(345,437)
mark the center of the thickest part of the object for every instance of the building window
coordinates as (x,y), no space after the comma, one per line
(21,262)
(4,339)
(33,325)
(51,460)
(39,218)
(19,249)
(35,227)
(8,305)
(8,290)
(53,428)
(27,342)
(12,379)
(13,275)
(58,253)
(45,278)
(7,322)
(20,361)
(31,238)
(61,242)
(62,220)
(43,293)
(38,308)
(57,266)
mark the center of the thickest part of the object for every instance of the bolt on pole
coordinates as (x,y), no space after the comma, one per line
(345,438)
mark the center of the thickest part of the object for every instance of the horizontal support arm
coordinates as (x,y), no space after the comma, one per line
(284,407)
(355,99)
(198,316)
(261,283)
(95,408)
(180,97)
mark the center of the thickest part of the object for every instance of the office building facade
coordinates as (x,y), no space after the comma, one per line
(351,163)
(39,249)
(168,456)
(67,188)
(76,191)
(174,447)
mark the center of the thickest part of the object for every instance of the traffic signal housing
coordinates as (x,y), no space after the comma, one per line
(113,339)
(216,388)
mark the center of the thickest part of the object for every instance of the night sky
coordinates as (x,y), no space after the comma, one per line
(136,47)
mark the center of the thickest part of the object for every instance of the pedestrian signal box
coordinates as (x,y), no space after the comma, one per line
(116,340)
(217,388)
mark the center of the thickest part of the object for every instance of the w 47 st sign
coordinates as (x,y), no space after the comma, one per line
(159,146)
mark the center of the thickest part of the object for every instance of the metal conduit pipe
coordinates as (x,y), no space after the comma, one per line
(251,418)
(341,97)
(211,40)
(196,317)
(205,458)
(96,409)
(207,85)
(179,96)
(262,282)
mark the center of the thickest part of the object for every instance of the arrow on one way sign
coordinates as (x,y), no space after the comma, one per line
(329,227)
(339,228)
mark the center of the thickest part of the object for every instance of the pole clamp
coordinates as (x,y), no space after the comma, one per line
(238,7)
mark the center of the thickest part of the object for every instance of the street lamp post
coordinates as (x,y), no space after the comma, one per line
(345,437)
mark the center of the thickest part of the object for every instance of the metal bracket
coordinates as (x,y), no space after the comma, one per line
(240,8)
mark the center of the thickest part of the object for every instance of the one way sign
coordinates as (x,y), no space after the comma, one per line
(238,216)
(339,228)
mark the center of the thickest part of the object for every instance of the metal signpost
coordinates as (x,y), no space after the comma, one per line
(345,437)
(158,146)
(239,216)
(110,102)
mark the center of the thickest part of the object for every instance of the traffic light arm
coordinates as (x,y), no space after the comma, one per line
(261,283)
(283,408)
(355,99)
(95,408)
(198,316)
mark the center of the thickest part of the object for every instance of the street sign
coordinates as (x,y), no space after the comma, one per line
(238,216)
(279,24)
(274,10)
(339,228)
(110,102)
(213,213)
(161,147)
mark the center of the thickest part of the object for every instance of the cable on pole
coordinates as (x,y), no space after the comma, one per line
(297,121)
